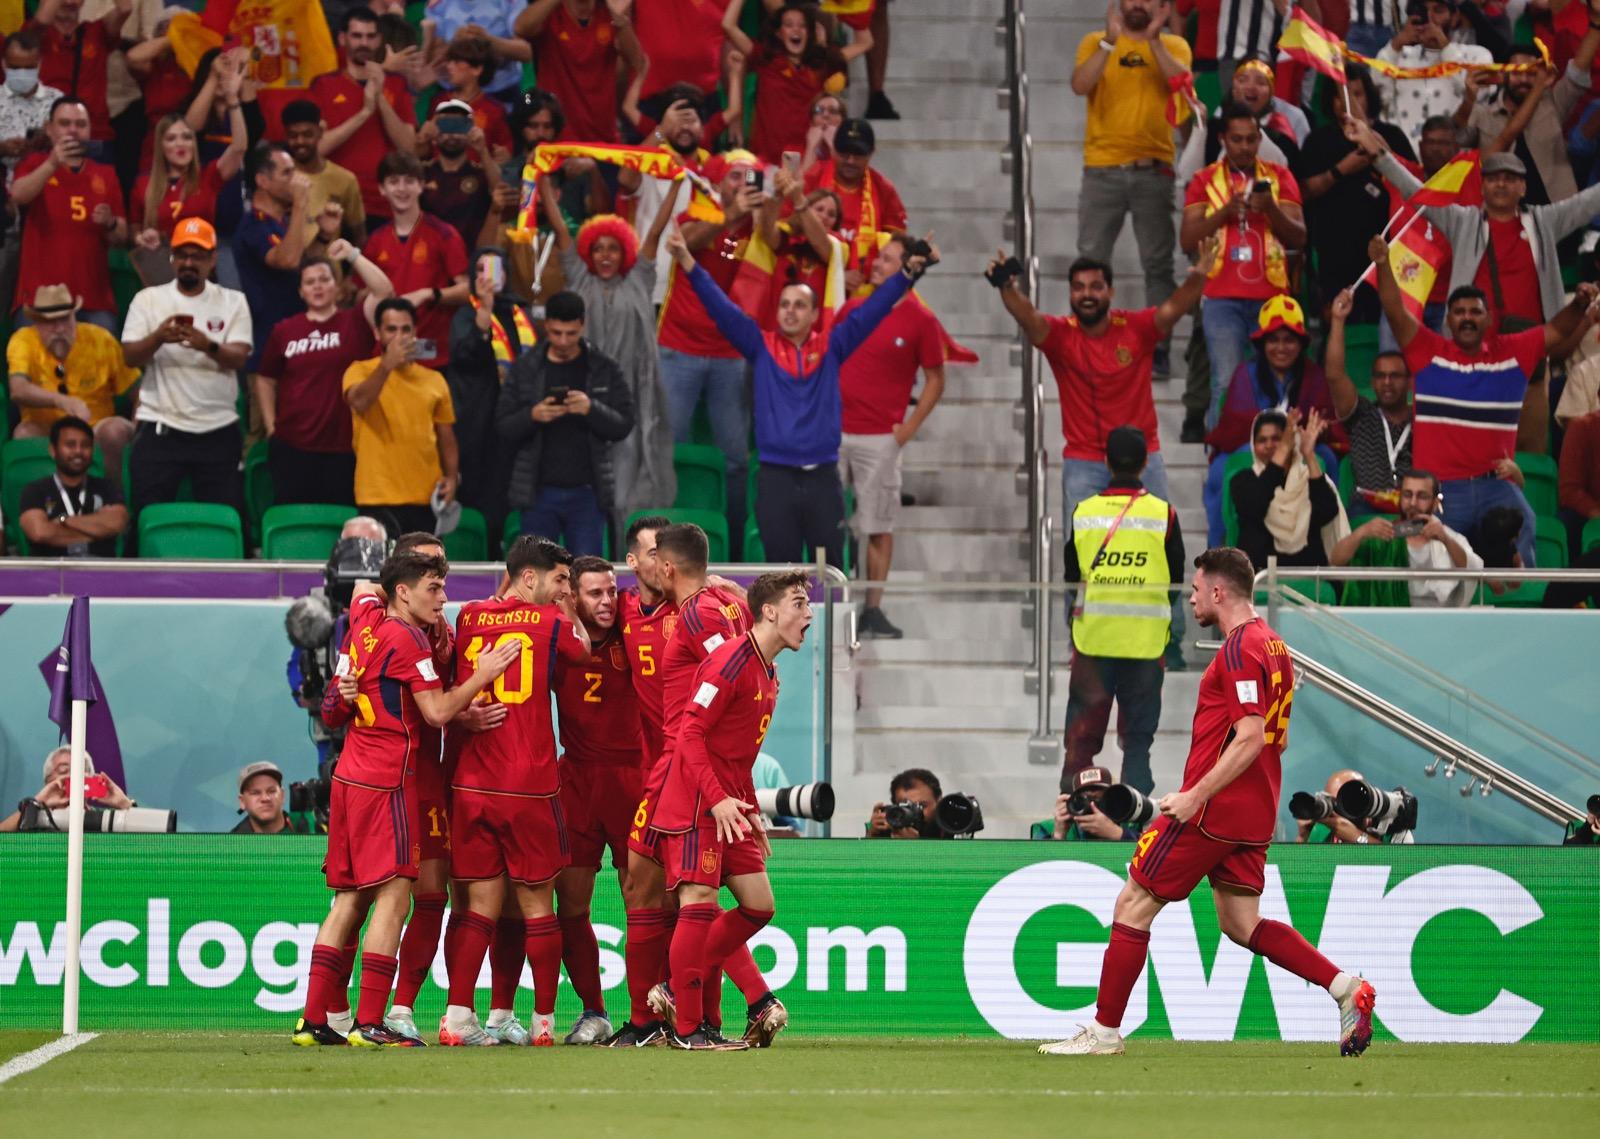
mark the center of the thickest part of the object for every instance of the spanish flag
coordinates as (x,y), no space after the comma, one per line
(854,13)
(1458,182)
(289,41)
(549,156)
(755,285)
(1415,255)
(1313,45)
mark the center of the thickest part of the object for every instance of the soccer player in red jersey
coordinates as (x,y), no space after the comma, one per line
(372,854)
(1219,823)
(712,835)
(602,778)
(506,809)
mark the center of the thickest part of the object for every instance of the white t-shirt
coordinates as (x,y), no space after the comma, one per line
(1442,592)
(183,388)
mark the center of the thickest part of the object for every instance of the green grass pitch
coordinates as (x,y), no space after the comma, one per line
(197,1083)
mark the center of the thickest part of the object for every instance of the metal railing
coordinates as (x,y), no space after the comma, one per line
(1031,477)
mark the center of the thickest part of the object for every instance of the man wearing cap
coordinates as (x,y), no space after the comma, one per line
(458,183)
(868,202)
(333,206)
(191,337)
(468,66)
(1127,73)
(1255,206)
(1126,548)
(1508,251)
(59,367)
(1087,786)
(261,801)
(74,215)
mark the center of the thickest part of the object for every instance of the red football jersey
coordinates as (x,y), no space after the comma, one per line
(1251,676)
(430,256)
(518,757)
(365,612)
(646,636)
(727,717)
(577,63)
(342,98)
(61,241)
(390,661)
(708,619)
(599,711)
(430,757)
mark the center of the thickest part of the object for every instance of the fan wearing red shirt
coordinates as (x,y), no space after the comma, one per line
(299,381)
(682,39)
(793,64)
(73,55)
(372,854)
(469,63)
(712,833)
(368,113)
(184,187)
(601,780)
(576,46)
(424,257)
(506,817)
(1220,822)
(869,204)
(74,215)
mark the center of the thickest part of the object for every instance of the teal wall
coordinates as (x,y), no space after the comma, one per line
(198,689)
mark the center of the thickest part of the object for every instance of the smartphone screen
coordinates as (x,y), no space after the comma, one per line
(184,318)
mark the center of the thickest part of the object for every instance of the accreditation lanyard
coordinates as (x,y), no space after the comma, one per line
(1393,445)
(67,504)
(1100,554)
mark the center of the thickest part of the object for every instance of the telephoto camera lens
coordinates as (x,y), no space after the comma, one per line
(1311,806)
(958,815)
(802,801)
(1127,806)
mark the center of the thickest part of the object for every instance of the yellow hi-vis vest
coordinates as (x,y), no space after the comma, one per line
(1123,609)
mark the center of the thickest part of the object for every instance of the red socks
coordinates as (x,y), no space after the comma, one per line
(1119,970)
(740,926)
(688,959)
(664,968)
(325,964)
(339,994)
(580,953)
(647,941)
(1286,949)
(506,955)
(377,978)
(418,946)
(541,938)
(464,946)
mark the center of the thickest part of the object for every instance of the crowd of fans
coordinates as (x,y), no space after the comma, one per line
(1342,426)
(343,281)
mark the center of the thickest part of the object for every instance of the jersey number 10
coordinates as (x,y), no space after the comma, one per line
(503,692)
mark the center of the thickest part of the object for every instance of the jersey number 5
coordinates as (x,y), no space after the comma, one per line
(503,692)
(647,660)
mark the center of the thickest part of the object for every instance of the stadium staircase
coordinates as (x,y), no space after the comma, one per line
(951,695)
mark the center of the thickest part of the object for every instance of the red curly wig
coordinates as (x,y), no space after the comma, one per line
(608,225)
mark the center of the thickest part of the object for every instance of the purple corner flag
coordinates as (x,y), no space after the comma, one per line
(69,671)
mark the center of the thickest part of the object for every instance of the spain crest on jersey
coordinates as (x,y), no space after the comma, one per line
(619,658)
(669,626)
(708,862)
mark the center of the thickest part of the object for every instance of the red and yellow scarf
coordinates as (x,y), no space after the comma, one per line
(1219,191)
(500,337)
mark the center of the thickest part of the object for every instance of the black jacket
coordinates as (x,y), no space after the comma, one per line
(610,419)
(1252,494)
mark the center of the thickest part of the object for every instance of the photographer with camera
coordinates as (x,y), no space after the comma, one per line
(1580,832)
(1351,810)
(909,813)
(101,794)
(261,801)
(1078,815)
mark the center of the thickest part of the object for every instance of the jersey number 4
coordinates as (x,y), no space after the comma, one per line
(503,692)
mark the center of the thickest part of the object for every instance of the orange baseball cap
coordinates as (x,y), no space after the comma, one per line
(1282,311)
(194,231)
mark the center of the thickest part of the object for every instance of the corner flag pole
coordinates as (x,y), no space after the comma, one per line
(72,685)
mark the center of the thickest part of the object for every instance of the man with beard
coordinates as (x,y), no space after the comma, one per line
(1423,540)
(684,132)
(60,367)
(334,206)
(72,513)
(458,184)
(869,204)
(191,337)
(271,238)
(1379,428)
(368,113)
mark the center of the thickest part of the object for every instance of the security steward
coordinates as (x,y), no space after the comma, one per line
(1125,548)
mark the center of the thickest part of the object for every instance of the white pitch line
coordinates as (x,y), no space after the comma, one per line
(965,1093)
(42,1055)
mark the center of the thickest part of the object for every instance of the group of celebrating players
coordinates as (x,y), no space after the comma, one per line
(449,789)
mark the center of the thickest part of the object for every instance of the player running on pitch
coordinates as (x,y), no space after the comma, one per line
(711,833)
(1219,823)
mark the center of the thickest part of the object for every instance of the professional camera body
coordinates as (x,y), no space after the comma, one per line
(1390,813)
(316,627)
(99,820)
(955,815)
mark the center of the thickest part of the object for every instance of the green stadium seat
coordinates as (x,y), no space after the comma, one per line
(190,530)
(1322,592)
(1550,543)
(1347,485)
(302,532)
(1238,461)
(1540,482)
(1360,350)
(702,477)
(754,551)
(711,521)
(258,498)
(1591,535)
(469,541)
(23,461)
(1524,595)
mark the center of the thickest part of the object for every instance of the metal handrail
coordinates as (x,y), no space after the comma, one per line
(1455,753)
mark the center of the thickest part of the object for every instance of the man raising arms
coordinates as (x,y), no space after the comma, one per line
(372,855)
(1219,823)
(711,833)
(506,814)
